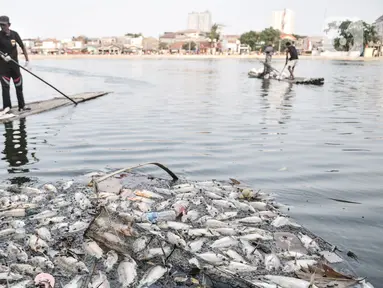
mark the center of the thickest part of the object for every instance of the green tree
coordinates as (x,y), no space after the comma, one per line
(350,32)
(250,38)
(189,45)
(133,35)
(214,34)
(270,35)
(163,46)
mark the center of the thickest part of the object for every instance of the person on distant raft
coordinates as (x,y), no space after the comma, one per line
(293,60)
(269,50)
(8,69)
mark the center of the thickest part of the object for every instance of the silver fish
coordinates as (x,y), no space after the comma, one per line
(76,282)
(22,284)
(152,276)
(82,201)
(175,239)
(226,231)
(7,232)
(92,249)
(16,253)
(70,264)
(235,256)
(41,262)
(251,220)
(43,215)
(309,243)
(177,225)
(196,246)
(225,242)
(284,281)
(44,234)
(37,244)
(50,188)
(272,262)
(111,260)
(260,206)
(25,269)
(212,210)
(154,252)
(99,281)
(140,244)
(296,265)
(13,213)
(10,276)
(212,258)
(201,232)
(240,267)
(212,195)
(77,227)
(223,204)
(212,223)
(227,215)
(127,272)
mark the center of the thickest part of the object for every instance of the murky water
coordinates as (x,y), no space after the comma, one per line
(206,119)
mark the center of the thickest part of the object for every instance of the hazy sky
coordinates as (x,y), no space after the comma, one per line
(94,18)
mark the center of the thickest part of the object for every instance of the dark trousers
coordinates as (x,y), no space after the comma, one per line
(5,79)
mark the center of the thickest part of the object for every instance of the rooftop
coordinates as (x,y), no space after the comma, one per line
(380,19)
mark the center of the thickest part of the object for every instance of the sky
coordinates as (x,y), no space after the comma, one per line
(96,18)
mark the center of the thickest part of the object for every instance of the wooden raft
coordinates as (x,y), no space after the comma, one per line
(297,80)
(47,105)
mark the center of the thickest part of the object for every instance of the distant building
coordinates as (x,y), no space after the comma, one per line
(284,21)
(379,27)
(201,21)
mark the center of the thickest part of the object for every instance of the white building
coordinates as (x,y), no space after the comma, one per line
(379,27)
(284,21)
(201,21)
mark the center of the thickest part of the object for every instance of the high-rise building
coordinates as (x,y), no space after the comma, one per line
(200,21)
(284,21)
(379,27)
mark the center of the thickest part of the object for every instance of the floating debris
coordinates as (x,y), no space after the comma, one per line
(130,230)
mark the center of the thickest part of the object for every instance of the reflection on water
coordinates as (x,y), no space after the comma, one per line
(16,149)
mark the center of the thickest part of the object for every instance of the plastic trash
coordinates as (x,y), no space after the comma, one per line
(154,217)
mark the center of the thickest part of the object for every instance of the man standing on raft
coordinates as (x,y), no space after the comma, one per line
(292,61)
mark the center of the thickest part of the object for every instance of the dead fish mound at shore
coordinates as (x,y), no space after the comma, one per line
(131,230)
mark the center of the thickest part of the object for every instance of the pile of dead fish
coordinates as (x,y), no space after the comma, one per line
(131,230)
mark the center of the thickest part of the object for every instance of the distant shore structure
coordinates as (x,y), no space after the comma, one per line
(201,21)
(284,21)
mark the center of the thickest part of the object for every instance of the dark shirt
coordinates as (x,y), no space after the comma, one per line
(8,44)
(293,52)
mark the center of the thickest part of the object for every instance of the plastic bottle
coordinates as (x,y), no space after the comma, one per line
(155,217)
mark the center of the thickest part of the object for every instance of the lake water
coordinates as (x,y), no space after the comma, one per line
(205,119)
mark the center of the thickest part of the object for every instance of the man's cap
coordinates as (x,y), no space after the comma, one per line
(4,20)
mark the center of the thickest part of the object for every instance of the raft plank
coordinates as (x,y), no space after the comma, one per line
(297,80)
(51,104)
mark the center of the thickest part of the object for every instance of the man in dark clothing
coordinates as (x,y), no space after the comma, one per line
(293,60)
(269,50)
(8,69)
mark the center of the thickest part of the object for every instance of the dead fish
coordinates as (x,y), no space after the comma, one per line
(177,225)
(235,256)
(44,234)
(293,255)
(140,244)
(284,281)
(195,262)
(212,210)
(7,232)
(43,215)
(242,206)
(163,205)
(152,276)
(309,243)
(251,220)
(30,190)
(77,227)
(191,216)
(272,262)
(226,231)
(25,269)
(82,201)
(201,232)
(212,223)
(59,226)
(49,221)
(296,265)
(127,272)
(196,246)
(225,242)
(13,213)
(212,195)
(188,195)
(42,262)
(240,267)
(260,206)
(250,251)
(37,244)
(211,257)
(226,215)
(99,281)
(17,224)
(175,240)
(16,253)
(10,276)
(76,282)
(256,236)
(166,192)
(70,264)
(111,260)
(92,249)
(154,252)
(223,204)
(50,188)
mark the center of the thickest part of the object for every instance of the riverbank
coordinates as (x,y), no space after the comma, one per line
(194,57)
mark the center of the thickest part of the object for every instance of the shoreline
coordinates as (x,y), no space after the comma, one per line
(192,57)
